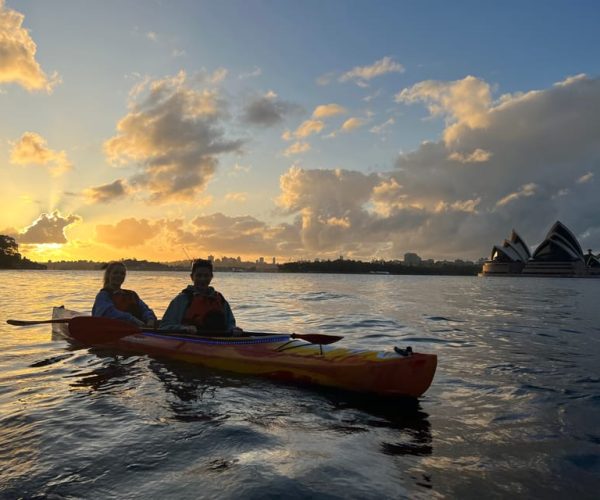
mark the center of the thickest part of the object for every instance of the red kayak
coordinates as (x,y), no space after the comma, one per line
(279,357)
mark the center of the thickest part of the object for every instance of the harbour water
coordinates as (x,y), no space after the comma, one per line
(514,409)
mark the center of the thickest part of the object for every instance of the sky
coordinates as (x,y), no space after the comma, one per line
(164,130)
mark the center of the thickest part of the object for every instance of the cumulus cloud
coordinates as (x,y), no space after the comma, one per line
(329,204)
(47,228)
(266,110)
(207,234)
(127,233)
(328,110)
(107,192)
(174,134)
(32,149)
(361,74)
(523,161)
(17,54)
(218,232)
(464,103)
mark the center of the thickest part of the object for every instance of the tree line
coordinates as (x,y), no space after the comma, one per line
(344,266)
(10,258)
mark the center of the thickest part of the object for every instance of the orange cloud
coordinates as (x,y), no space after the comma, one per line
(32,149)
(327,110)
(127,232)
(17,49)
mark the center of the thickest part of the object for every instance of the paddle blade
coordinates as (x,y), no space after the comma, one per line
(317,338)
(98,330)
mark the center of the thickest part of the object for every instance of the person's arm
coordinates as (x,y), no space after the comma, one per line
(148,315)
(173,317)
(230,319)
(104,306)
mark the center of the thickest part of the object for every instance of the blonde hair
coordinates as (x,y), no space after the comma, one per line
(109,267)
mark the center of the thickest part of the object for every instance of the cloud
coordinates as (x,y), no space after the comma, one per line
(361,74)
(444,201)
(229,235)
(174,134)
(380,129)
(238,169)
(352,124)
(127,233)
(585,178)
(464,103)
(328,110)
(107,192)
(296,148)
(524,191)
(266,110)
(256,72)
(309,127)
(329,204)
(32,149)
(237,197)
(325,79)
(17,54)
(477,156)
(47,228)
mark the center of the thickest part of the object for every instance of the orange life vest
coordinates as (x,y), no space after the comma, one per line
(126,301)
(206,312)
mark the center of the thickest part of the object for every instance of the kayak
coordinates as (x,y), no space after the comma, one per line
(397,373)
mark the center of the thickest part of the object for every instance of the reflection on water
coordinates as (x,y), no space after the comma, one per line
(516,396)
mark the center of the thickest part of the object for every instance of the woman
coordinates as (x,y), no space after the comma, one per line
(115,302)
(199,308)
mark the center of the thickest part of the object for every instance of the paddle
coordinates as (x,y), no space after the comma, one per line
(99,330)
(19,322)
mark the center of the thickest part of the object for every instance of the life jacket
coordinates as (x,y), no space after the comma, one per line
(206,312)
(126,301)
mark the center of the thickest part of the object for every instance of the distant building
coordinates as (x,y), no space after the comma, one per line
(559,254)
(412,259)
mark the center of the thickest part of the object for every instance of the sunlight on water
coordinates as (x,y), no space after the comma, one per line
(513,410)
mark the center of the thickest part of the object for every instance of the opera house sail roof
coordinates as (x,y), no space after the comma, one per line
(559,254)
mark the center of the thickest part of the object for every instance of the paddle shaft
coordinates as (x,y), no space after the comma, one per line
(108,329)
(19,322)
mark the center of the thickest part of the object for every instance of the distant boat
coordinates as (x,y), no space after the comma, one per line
(379,272)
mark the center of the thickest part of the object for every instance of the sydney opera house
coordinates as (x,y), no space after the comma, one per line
(559,255)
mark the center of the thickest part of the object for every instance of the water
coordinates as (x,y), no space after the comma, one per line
(514,408)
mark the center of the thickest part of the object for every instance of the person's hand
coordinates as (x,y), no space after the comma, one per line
(237,332)
(152,323)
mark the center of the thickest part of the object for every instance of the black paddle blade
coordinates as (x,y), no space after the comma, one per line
(317,338)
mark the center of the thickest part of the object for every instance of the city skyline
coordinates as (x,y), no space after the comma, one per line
(296,130)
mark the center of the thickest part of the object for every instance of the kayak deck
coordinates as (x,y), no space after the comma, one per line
(280,357)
